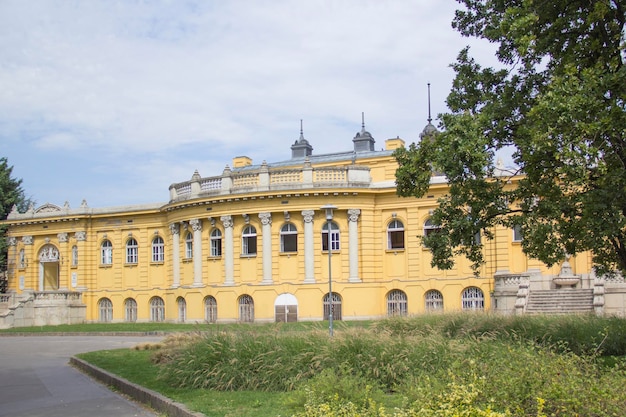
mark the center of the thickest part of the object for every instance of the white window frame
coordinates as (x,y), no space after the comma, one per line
(397,303)
(433,300)
(132,251)
(210,309)
(158,249)
(182,309)
(473,299)
(394,229)
(74,255)
(334,236)
(106,252)
(288,238)
(249,241)
(246,309)
(517,233)
(130,310)
(188,245)
(105,310)
(157,309)
(216,243)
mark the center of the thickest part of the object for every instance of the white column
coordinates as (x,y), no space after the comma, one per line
(175,230)
(309,252)
(196,226)
(266,221)
(353,244)
(229,250)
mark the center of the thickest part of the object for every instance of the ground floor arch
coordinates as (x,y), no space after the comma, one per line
(286,308)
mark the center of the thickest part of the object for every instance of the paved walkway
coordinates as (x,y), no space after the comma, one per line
(36,380)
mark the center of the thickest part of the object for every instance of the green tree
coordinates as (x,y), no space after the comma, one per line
(557,102)
(11,194)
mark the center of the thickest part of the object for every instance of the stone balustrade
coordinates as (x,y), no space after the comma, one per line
(264,178)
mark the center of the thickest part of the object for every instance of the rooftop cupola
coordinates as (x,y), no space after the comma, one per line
(363,141)
(301,147)
(429,129)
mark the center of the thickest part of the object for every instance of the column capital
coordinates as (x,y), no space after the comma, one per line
(266,218)
(174,228)
(27,240)
(353,214)
(227,221)
(196,224)
(62,237)
(308,215)
(12,241)
(81,236)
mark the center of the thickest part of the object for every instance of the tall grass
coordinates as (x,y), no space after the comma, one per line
(524,366)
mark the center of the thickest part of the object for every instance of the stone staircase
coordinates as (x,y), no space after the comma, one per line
(561,301)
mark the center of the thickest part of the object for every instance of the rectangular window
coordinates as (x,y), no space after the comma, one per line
(216,247)
(396,239)
(289,243)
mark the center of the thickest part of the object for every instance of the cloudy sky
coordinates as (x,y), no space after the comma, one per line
(113,101)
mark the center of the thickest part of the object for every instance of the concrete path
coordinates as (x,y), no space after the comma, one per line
(36,380)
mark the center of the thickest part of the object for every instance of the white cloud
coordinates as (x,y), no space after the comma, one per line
(124,83)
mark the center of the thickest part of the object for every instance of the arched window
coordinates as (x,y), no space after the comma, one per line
(472,298)
(74,255)
(106,252)
(132,251)
(334,236)
(188,245)
(336,306)
(158,249)
(182,309)
(210,309)
(157,309)
(130,310)
(246,309)
(395,235)
(430,227)
(288,238)
(105,310)
(216,242)
(396,303)
(248,241)
(433,300)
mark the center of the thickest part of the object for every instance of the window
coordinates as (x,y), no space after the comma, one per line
(248,241)
(157,309)
(105,310)
(472,299)
(130,310)
(106,252)
(158,249)
(288,238)
(216,242)
(517,233)
(395,235)
(246,309)
(430,227)
(131,251)
(434,300)
(188,245)
(334,236)
(74,255)
(182,309)
(396,303)
(210,309)
(336,306)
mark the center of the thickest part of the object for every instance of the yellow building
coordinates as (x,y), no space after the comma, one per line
(252,244)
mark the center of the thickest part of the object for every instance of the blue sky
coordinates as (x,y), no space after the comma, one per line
(113,101)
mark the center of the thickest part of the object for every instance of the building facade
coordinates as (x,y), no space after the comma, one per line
(256,244)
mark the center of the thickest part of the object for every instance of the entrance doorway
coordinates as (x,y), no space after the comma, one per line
(48,268)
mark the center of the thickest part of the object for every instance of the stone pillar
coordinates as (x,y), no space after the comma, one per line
(81,238)
(65,261)
(353,244)
(175,230)
(309,251)
(266,221)
(196,226)
(229,251)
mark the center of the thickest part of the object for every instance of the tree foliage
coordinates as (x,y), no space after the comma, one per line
(558,103)
(11,194)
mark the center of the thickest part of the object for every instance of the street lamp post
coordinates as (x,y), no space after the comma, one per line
(329,217)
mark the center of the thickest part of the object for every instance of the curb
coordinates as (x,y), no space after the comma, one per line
(138,393)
